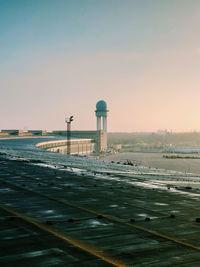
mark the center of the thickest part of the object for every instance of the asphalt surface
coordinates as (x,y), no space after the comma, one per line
(60,217)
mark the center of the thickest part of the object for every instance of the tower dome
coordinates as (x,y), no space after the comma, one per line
(101,106)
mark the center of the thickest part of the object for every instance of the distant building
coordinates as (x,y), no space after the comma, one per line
(162,132)
(12,132)
(117,147)
(4,134)
(37,132)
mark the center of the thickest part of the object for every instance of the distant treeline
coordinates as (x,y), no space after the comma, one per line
(180,157)
(192,138)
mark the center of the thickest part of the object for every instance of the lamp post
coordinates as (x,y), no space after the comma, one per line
(68,120)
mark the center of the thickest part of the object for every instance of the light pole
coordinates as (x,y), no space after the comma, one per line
(68,120)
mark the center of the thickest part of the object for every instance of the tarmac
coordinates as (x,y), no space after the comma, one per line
(53,217)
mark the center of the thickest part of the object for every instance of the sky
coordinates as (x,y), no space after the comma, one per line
(59,57)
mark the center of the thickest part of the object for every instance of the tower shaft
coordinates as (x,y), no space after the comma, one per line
(98,123)
(105,123)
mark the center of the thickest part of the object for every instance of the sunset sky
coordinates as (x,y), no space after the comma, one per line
(59,57)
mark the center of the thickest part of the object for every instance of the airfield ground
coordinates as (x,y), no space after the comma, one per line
(53,217)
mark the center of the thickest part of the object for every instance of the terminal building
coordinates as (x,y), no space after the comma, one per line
(82,146)
(81,142)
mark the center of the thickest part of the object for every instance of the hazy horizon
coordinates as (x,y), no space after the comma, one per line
(58,58)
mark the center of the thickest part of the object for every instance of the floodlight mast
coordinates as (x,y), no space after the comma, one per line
(68,120)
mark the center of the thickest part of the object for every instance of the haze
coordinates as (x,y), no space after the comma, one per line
(58,58)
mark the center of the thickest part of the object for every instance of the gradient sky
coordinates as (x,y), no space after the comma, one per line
(59,57)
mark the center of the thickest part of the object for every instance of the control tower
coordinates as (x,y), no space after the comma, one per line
(101,115)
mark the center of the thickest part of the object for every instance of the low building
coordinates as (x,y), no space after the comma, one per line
(4,134)
(38,132)
(12,132)
(26,134)
(76,146)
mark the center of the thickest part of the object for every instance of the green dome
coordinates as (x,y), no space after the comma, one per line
(101,106)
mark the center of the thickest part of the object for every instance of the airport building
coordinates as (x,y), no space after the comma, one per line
(77,146)
(83,142)
(80,142)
